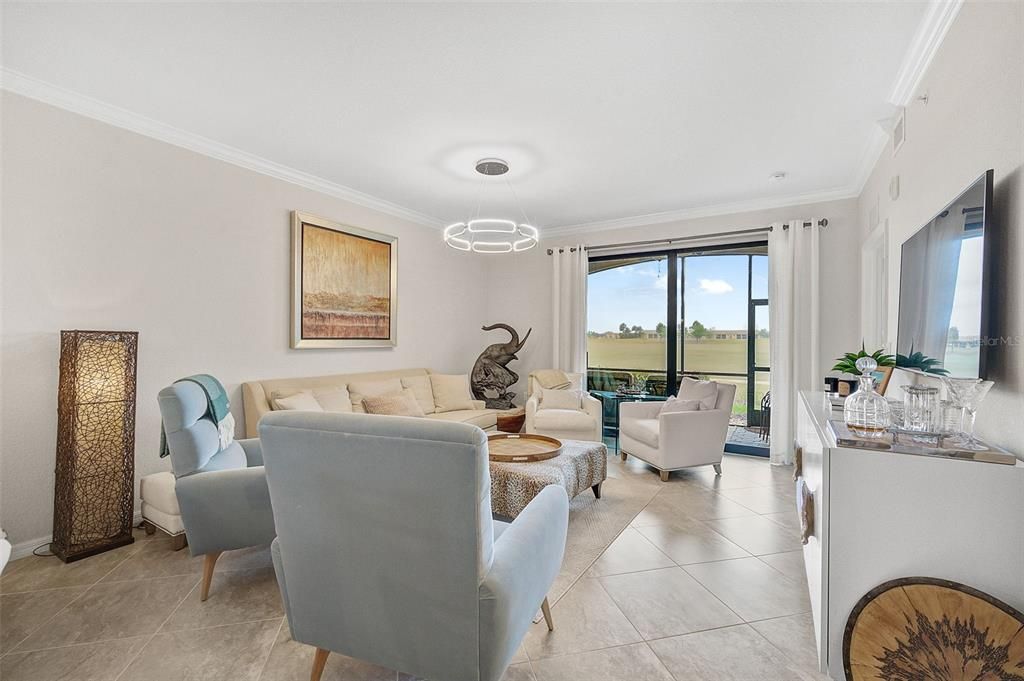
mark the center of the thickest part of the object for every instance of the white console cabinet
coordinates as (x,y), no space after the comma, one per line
(881,515)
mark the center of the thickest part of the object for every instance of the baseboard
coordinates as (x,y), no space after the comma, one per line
(25,548)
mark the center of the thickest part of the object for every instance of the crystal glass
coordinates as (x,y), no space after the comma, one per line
(967,394)
(921,408)
(865,411)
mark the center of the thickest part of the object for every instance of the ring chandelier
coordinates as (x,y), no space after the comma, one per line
(492,235)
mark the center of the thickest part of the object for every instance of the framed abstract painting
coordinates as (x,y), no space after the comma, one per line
(344,285)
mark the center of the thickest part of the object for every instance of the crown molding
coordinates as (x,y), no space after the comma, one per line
(709,211)
(930,34)
(39,90)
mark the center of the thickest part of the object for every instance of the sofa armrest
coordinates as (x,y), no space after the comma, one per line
(640,410)
(225,510)
(527,558)
(479,404)
(698,437)
(253,451)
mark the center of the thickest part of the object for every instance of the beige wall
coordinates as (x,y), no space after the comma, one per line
(520,286)
(107,229)
(972,122)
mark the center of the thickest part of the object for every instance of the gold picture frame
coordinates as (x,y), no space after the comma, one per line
(882,376)
(344,285)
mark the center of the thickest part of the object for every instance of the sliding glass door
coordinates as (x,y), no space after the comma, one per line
(656,318)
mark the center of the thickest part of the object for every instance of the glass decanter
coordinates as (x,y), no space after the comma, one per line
(865,411)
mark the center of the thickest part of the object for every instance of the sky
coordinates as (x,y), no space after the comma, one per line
(715,293)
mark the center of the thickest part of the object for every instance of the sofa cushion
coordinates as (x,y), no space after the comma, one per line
(704,391)
(335,400)
(420,386)
(644,430)
(674,404)
(555,398)
(299,401)
(451,392)
(157,490)
(481,418)
(360,390)
(393,404)
(563,419)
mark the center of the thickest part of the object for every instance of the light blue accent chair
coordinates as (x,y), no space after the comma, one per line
(222,494)
(386,550)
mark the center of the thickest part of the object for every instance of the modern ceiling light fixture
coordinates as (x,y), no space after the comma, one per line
(492,235)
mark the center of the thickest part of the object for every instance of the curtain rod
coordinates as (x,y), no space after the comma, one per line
(668,242)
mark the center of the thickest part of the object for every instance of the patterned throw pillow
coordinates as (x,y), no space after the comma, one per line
(401,403)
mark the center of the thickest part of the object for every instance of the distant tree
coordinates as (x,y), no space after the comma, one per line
(954,333)
(661,329)
(698,330)
(623,330)
(637,331)
(762,333)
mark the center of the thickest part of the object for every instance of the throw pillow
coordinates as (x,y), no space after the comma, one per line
(451,392)
(706,392)
(674,404)
(360,390)
(300,401)
(420,386)
(402,403)
(560,399)
(335,400)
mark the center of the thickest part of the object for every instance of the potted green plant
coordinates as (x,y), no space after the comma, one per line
(848,362)
(921,362)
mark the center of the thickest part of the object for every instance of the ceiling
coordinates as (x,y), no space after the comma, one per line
(604,111)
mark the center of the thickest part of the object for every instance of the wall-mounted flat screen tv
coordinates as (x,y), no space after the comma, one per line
(943,289)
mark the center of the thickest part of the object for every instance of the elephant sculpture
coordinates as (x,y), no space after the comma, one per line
(491,376)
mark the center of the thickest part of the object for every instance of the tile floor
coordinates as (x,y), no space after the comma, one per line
(706,583)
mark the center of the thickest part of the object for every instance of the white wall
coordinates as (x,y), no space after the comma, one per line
(973,121)
(107,229)
(520,286)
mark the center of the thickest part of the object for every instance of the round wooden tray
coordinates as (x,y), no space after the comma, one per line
(525,448)
(925,628)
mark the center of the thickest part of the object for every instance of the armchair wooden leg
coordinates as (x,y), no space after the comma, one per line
(623,455)
(149,527)
(319,662)
(546,609)
(179,541)
(209,562)
(718,468)
(664,476)
(597,490)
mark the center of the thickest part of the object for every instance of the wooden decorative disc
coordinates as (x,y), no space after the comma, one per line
(923,629)
(516,448)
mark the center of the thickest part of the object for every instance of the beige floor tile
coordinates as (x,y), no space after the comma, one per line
(586,618)
(236,596)
(519,672)
(631,552)
(156,558)
(751,589)
(693,542)
(730,654)
(729,479)
(794,636)
(115,610)
(23,613)
(632,662)
(236,652)
(761,499)
(692,503)
(291,661)
(667,602)
(790,563)
(88,662)
(788,519)
(49,572)
(756,534)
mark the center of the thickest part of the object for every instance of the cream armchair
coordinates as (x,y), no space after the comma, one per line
(584,423)
(676,440)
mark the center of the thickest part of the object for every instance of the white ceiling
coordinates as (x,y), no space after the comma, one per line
(604,111)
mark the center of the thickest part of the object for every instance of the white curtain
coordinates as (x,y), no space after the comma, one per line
(794,308)
(569,322)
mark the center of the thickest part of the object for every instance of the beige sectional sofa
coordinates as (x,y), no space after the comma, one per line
(344,392)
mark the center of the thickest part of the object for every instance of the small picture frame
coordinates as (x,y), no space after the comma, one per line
(899,131)
(882,376)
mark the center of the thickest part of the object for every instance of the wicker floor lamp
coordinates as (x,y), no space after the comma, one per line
(94,498)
